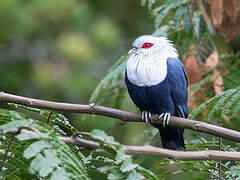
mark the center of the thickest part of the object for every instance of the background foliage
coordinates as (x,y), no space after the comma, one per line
(64,51)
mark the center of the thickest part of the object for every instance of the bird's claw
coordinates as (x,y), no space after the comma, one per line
(166,118)
(146,115)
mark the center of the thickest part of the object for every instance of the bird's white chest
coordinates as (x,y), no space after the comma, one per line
(146,71)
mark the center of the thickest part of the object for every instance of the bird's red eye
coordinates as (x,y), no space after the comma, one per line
(147,45)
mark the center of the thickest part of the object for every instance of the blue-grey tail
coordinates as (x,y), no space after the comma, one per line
(172,137)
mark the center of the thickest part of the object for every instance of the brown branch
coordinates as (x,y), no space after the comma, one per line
(150,150)
(189,155)
(122,115)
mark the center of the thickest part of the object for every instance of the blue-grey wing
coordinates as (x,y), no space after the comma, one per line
(178,86)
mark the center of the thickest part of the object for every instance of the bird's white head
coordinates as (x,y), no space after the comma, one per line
(149,45)
(147,64)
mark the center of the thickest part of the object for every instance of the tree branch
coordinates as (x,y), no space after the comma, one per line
(150,150)
(122,115)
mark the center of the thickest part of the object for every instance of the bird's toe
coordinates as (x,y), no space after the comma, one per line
(146,116)
(166,118)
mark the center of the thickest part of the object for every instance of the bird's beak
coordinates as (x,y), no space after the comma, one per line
(132,50)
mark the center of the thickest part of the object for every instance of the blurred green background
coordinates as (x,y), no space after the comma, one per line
(60,51)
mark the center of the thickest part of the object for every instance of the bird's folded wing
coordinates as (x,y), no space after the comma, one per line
(178,85)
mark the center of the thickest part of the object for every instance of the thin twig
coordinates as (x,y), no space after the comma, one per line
(150,150)
(204,14)
(122,115)
(75,134)
(191,18)
(80,149)
(115,127)
(220,162)
(49,116)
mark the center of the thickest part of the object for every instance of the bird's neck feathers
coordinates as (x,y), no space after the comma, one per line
(148,69)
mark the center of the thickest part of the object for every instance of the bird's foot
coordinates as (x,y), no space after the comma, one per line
(166,118)
(146,116)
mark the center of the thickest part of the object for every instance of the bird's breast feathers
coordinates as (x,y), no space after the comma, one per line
(147,70)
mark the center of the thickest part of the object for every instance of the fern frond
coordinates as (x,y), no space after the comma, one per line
(57,120)
(121,164)
(169,11)
(41,153)
(226,103)
(219,105)
(202,107)
(150,3)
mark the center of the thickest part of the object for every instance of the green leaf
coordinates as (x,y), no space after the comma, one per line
(42,115)
(227,102)
(36,163)
(157,10)
(162,31)
(105,159)
(35,148)
(44,164)
(30,135)
(121,156)
(115,176)
(107,168)
(220,102)
(70,160)
(178,15)
(163,163)
(15,115)
(135,175)
(62,121)
(59,174)
(128,165)
(14,124)
(161,16)
(187,20)
(101,135)
(12,177)
(234,168)
(98,134)
(150,3)
(143,2)
(147,173)
(205,105)
(231,102)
